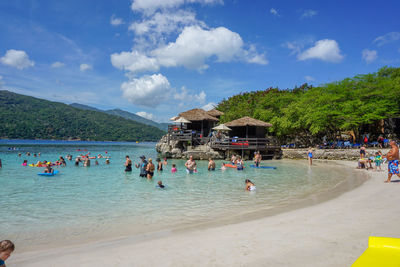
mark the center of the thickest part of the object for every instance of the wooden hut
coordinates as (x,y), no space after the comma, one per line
(248,127)
(202,122)
(215,113)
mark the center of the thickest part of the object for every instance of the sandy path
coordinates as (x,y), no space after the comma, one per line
(333,233)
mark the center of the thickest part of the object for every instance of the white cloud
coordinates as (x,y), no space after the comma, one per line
(134,61)
(309,13)
(57,64)
(209,106)
(369,55)
(186,97)
(274,12)
(325,50)
(145,115)
(116,21)
(309,78)
(85,67)
(147,90)
(149,6)
(165,22)
(17,59)
(195,45)
(387,38)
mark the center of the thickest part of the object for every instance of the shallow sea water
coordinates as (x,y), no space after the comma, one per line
(91,203)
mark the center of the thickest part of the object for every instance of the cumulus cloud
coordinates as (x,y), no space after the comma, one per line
(17,59)
(149,90)
(186,97)
(369,55)
(165,22)
(193,47)
(325,50)
(387,38)
(309,78)
(116,21)
(57,64)
(209,106)
(85,67)
(309,13)
(274,12)
(149,6)
(134,61)
(145,115)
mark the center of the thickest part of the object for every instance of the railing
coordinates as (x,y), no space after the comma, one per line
(242,143)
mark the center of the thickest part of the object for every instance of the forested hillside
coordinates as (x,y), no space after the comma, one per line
(351,104)
(25,117)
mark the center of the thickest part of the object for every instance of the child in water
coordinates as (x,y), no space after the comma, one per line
(173,169)
(160,185)
(249,185)
(6,248)
(25,163)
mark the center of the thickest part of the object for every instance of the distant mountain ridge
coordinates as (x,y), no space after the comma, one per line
(26,117)
(124,114)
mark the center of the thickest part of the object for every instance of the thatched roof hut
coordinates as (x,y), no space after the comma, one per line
(197,114)
(247,121)
(215,113)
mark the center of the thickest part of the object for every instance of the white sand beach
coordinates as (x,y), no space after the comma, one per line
(332,233)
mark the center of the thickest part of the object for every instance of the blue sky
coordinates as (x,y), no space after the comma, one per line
(157,58)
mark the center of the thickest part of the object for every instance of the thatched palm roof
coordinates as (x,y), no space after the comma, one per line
(197,114)
(247,121)
(215,113)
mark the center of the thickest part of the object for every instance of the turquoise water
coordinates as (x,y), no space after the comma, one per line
(89,203)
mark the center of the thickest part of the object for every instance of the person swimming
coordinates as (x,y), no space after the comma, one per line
(25,163)
(250,185)
(160,185)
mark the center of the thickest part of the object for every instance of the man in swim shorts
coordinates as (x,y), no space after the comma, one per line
(190,165)
(393,161)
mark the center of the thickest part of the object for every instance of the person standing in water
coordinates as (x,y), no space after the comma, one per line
(191,165)
(142,165)
(128,164)
(393,161)
(159,165)
(150,169)
(310,155)
(257,158)
(211,164)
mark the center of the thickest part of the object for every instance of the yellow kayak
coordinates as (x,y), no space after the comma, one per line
(381,251)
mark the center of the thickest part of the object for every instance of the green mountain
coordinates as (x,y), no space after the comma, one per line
(124,114)
(26,117)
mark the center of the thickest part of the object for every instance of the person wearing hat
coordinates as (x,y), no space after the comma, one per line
(142,165)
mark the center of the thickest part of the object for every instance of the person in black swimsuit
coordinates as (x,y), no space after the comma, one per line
(128,164)
(159,165)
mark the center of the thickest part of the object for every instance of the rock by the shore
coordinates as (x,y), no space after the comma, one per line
(332,154)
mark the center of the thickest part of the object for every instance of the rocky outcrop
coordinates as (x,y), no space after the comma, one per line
(181,149)
(333,154)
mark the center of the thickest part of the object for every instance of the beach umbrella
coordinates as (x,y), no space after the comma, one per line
(173,118)
(182,120)
(222,127)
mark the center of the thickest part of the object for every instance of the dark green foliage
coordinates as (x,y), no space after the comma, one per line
(25,117)
(349,104)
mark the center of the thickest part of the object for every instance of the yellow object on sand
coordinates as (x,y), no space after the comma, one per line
(381,251)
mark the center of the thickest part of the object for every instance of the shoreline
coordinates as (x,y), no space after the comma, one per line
(264,216)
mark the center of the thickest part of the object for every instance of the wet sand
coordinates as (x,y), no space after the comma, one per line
(332,233)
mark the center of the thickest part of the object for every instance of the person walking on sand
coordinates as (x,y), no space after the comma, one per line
(310,155)
(393,161)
